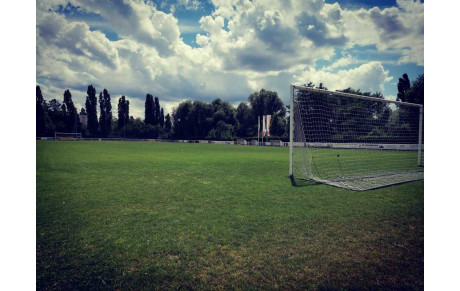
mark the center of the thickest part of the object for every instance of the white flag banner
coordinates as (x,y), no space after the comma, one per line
(269,117)
(263,125)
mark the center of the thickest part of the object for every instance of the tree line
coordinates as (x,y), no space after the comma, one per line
(219,120)
(54,116)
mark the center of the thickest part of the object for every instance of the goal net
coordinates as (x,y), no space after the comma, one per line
(67,135)
(354,141)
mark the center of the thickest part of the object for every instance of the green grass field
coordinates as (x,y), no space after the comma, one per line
(147,215)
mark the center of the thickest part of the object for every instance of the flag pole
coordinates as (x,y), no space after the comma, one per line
(263,129)
(258,129)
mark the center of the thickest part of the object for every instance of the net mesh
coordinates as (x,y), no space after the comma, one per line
(355,143)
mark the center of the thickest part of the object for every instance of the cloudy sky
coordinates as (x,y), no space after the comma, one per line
(190,49)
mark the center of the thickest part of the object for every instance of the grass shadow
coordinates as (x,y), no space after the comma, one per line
(302,182)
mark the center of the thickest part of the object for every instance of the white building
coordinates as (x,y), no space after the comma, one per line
(84,120)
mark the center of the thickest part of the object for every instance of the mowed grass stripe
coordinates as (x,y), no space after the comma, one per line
(146,215)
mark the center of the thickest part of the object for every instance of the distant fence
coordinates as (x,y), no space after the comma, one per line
(221,142)
(273,143)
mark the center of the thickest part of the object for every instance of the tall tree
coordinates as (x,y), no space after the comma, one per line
(352,119)
(56,116)
(182,119)
(199,120)
(41,114)
(278,126)
(149,110)
(224,121)
(72,119)
(105,119)
(162,118)
(321,87)
(91,110)
(266,102)
(246,121)
(168,124)
(156,109)
(202,119)
(418,90)
(54,105)
(411,94)
(123,112)
(403,88)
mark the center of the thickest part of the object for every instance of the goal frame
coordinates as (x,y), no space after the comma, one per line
(338,93)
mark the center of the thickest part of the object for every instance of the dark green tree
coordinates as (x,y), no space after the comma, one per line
(72,119)
(321,87)
(91,110)
(356,120)
(168,124)
(417,94)
(105,118)
(224,121)
(405,119)
(138,129)
(266,102)
(411,93)
(156,109)
(123,112)
(64,117)
(54,105)
(247,122)
(202,119)
(57,116)
(221,131)
(403,88)
(135,129)
(54,112)
(182,116)
(149,110)
(278,126)
(162,118)
(41,114)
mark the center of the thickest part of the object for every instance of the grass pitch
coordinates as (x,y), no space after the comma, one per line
(120,215)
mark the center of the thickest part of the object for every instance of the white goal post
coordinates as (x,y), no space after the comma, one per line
(67,135)
(354,141)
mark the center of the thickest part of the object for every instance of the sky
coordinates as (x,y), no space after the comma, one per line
(202,50)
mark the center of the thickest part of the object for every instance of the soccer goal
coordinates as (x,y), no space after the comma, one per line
(67,135)
(354,141)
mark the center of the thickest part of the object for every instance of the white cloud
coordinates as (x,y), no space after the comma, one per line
(137,21)
(244,46)
(342,62)
(367,77)
(391,29)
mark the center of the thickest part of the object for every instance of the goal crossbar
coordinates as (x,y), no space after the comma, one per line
(355,96)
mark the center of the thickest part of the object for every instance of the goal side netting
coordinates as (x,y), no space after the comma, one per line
(354,141)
